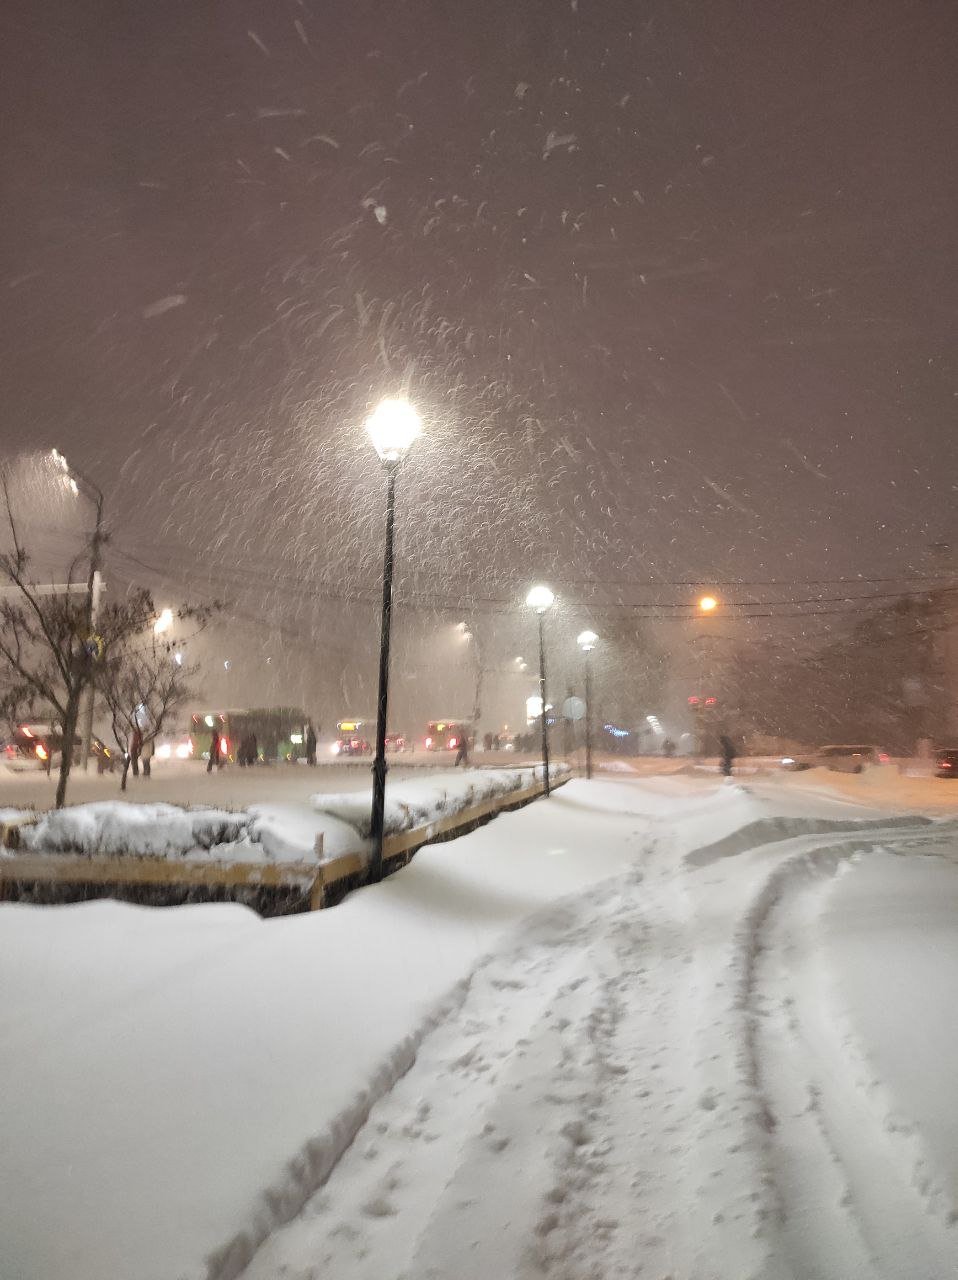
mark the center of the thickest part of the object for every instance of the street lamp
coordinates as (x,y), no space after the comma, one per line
(393,428)
(79,482)
(542,599)
(163,622)
(586,641)
(708,604)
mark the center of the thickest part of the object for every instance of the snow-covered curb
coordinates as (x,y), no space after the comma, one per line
(415,803)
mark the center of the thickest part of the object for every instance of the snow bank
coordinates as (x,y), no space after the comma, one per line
(416,803)
(891,942)
(773,830)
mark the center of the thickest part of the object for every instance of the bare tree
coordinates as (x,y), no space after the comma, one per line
(142,681)
(49,658)
(46,654)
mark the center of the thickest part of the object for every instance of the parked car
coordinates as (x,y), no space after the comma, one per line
(946,762)
(36,746)
(395,742)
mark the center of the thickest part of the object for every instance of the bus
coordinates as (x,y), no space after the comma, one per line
(280,733)
(354,737)
(446,735)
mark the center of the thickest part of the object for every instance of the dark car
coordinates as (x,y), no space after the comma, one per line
(36,746)
(851,759)
(946,762)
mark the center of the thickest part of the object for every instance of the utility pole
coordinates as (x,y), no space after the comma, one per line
(94,594)
(94,590)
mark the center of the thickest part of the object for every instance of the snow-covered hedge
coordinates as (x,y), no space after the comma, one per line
(416,803)
(157,830)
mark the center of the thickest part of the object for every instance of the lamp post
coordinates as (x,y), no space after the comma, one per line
(542,599)
(80,483)
(392,428)
(586,642)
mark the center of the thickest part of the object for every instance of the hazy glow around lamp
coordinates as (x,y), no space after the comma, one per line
(393,427)
(540,598)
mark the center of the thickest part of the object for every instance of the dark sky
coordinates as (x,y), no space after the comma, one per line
(673,284)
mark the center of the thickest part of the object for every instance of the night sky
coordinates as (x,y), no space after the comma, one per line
(673,285)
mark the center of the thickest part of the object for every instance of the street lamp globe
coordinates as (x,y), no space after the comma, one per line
(586,641)
(164,622)
(540,598)
(393,427)
(708,604)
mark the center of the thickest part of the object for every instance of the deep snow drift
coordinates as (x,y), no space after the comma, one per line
(599,1037)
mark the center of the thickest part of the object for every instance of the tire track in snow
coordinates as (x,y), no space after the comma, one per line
(847,1208)
(543,1131)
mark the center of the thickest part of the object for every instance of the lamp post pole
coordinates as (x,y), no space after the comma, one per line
(392,428)
(586,642)
(541,598)
(382,705)
(588,715)
(94,587)
(78,482)
(542,699)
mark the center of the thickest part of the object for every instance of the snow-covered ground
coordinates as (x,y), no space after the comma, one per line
(656,1026)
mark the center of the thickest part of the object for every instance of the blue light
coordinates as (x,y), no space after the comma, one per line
(616,733)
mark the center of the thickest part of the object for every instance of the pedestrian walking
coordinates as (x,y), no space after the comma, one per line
(462,753)
(310,743)
(136,746)
(728,754)
(214,750)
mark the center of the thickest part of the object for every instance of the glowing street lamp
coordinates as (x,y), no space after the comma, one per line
(542,599)
(393,428)
(586,640)
(164,622)
(708,604)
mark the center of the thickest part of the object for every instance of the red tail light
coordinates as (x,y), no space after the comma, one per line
(429,742)
(883,757)
(453,742)
(945,764)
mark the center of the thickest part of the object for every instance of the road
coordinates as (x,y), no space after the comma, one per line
(231,788)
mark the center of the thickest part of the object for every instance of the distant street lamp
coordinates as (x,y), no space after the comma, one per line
(586,641)
(163,622)
(708,604)
(393,428)
(541,599)
(78,483)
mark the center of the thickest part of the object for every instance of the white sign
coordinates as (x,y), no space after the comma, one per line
(573,709)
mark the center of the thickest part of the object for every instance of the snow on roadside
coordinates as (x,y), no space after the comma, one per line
(417,803)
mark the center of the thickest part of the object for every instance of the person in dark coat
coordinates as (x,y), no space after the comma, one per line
(310,743)
(462,754)
(215,756)
(728,754)
(136,746)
